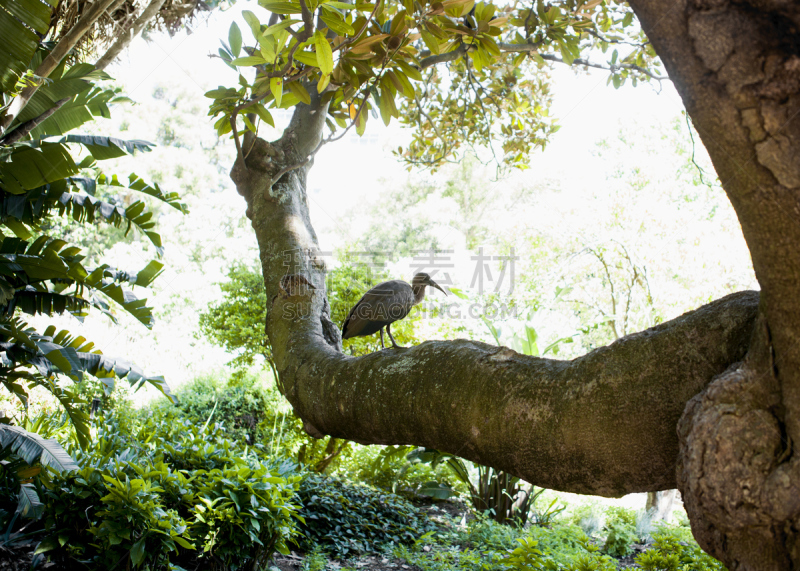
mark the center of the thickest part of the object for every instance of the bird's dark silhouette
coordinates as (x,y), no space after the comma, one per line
(383,305)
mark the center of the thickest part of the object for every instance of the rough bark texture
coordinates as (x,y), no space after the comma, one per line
(736,65)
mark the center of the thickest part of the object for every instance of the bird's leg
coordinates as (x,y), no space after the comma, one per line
(382,343)
(394,344)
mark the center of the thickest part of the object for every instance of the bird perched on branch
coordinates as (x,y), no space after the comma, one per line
(383,305)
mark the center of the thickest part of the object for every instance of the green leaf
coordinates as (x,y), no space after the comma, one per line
(276,87)
(324,53)
(336,23)
(308,58)
(33,448)
(275,28)
(323,82)
(430,41)
(281,7)
(248,60)
(265,115)
(235,39)
(47,544)
(137,552)
(299,91)
(252,21)
(28,503)
(31,168)
(339,5)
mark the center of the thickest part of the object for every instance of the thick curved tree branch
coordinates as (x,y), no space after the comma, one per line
(602,424)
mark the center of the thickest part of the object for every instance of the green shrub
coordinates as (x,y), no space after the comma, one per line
(621,531)
(154,492)
(619,539)
(355,519)
(591,562)
(526,557)
(243,406)
(674,549)
(484,532)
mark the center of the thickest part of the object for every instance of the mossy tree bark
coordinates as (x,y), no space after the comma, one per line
(727,375)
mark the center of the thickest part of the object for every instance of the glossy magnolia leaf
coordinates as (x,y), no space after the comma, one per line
(276,87)
(275,28)
(33,448)
(336,23)
(308,58)
(345,6)
(245,61)
(281,7)
(252,21)
(265,115)
(235,39)
(299,91)
(324,52)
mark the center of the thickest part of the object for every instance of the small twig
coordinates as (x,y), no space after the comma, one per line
(612,41)
(349,41)
(694,162)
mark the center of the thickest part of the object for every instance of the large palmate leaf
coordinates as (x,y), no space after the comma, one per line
(137,183)
(28,167)
(20,20)
(24,264)
(61,83)
(81,109)
(33,448)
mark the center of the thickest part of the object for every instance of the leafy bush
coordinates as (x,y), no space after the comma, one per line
(526,557)
(674,549)
(157,491)
(243,407)
(619,539)
(355,519)
(621,531)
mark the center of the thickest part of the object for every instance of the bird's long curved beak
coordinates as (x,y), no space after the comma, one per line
(434,284)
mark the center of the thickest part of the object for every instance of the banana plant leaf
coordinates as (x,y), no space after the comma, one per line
(33,448)
(20,20)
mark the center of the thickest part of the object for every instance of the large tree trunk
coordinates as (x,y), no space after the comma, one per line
(736,65)
(604,423)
